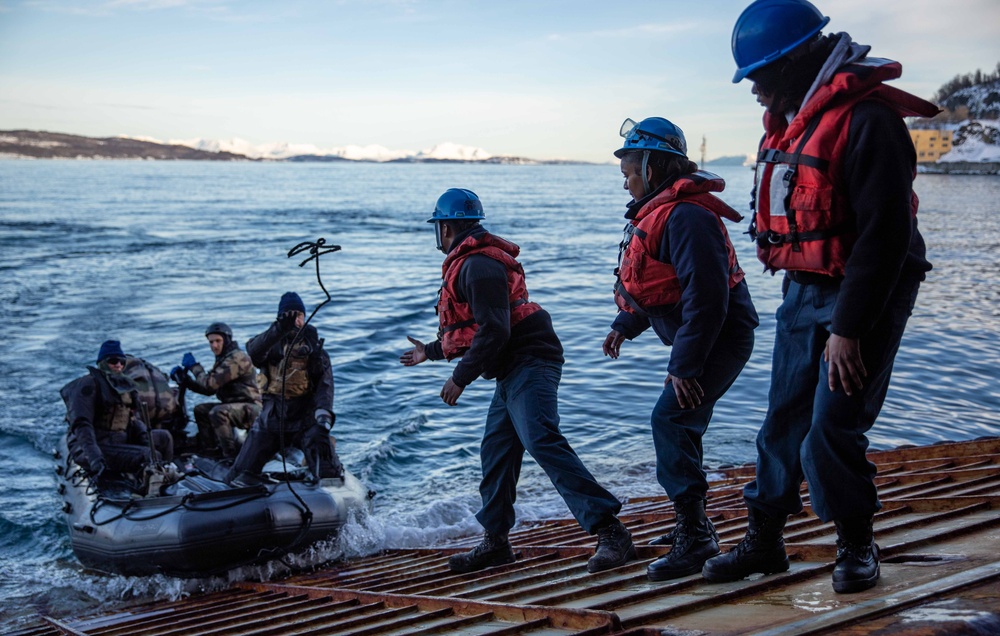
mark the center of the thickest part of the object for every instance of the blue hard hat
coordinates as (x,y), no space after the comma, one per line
(652,133)
(457,204)
(769,29)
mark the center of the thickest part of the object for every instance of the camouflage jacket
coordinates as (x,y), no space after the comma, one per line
(231,379)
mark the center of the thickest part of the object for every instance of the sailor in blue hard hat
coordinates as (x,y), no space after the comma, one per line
(679,278)
(834,210)
(487,321)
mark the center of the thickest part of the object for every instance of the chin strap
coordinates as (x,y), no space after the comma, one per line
(645,180)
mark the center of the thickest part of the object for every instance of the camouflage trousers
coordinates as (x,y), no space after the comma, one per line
(216,423)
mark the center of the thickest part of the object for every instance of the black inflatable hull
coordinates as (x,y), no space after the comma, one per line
(202,534)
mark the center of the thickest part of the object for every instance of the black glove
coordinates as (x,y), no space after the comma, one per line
(178,375)
(286,320)
(325,419)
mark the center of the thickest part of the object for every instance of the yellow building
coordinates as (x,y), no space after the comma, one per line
(930,144)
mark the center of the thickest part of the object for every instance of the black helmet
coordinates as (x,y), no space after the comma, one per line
(220,328)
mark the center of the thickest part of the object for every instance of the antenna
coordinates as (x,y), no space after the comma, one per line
(703,146)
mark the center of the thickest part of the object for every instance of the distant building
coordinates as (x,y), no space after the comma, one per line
(931,144)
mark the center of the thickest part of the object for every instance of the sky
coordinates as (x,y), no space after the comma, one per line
(535,78)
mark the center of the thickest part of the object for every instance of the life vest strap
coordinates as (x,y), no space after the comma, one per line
(773,155)
(771,237)
(457,325)
(633,230)
(468,323)
(639,309)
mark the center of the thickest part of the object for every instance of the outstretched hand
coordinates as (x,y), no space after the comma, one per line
(687,390)
(414,356)
(613,344)
(847,369)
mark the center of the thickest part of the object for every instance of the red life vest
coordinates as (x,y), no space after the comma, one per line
(802,219)
(645,281)
(458,326)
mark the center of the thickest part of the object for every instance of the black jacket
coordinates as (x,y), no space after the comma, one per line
(496,348)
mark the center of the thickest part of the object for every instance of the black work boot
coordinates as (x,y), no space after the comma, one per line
(668,539)
(693,543)
(614,548)
(761,550)
(857,556)
(494,549)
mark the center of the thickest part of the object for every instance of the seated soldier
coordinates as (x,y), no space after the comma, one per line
(233,380)
(298,397)
(106,432)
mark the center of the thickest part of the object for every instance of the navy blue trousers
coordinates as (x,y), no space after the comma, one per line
(811,432)
(524,416)
(677,432)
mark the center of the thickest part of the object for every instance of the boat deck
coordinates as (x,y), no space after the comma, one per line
(939,531)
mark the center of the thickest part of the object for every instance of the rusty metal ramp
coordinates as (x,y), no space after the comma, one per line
(939,532)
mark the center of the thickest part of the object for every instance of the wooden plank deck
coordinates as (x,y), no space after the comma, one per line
(939,532)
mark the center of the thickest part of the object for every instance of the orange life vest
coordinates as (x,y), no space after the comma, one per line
(644,280)
(802,219)
(458,326)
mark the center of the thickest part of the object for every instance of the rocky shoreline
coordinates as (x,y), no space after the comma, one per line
(960,167)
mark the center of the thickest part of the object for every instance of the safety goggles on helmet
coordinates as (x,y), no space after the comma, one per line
(653,133)
(627,127)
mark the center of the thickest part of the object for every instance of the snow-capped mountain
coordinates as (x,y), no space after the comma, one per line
(453,152)
(282,150)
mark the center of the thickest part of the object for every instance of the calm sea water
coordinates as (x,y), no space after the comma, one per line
(150,253)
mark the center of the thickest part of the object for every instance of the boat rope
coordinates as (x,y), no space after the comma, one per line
(188,502)
(314,250)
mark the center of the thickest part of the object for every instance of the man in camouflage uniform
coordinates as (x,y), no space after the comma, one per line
(298,396)
(102,411)
(233,380)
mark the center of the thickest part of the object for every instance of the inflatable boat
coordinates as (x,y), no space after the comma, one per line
(188,522)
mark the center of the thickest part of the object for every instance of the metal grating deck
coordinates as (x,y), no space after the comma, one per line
(939,532)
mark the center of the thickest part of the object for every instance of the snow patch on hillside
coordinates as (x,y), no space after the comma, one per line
(975,141)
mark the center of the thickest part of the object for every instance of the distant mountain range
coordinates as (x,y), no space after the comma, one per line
(730,160)
(29,144)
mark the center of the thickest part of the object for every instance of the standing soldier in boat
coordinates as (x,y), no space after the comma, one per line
(678,274)
(106,432)
(298,396)
(835,210)
(233,380)
(487,320)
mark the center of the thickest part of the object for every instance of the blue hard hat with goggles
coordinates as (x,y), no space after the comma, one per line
(652,133)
